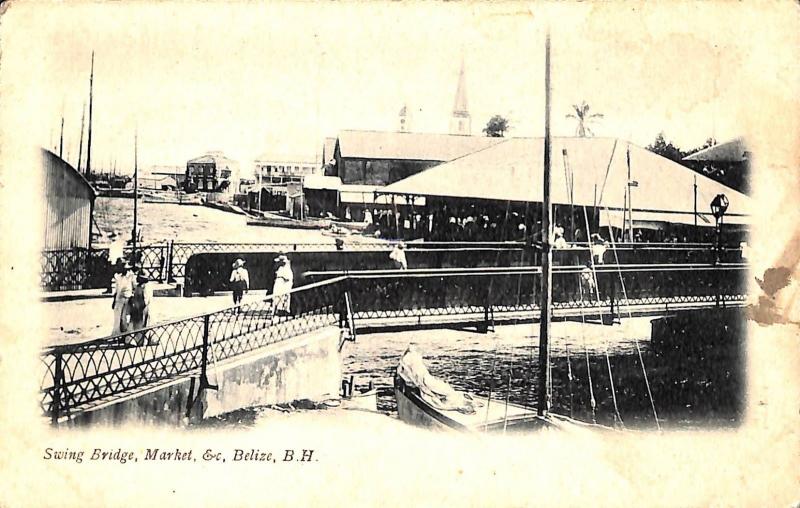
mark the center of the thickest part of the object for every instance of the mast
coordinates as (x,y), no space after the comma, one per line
(135,192)
(695,201)
(80,147)
(543,401)
(89,142)
(61,139)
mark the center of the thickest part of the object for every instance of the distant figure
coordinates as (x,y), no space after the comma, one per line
(559,242)
(398,255)
(139,307)
(367,216)
(339,244)
(588,286)
(240,281)
(123,291)
(116,257)
(284,280)
(745,249)
(599,247)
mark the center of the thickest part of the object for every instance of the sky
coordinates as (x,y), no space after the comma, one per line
(272,80)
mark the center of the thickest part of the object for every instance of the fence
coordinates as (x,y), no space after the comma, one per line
(77,375)
(81,374)
(86,269)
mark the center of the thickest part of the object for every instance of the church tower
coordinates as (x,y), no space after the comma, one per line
(461,122)
(404,119)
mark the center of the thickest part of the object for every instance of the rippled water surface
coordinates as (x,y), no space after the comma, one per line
(694,388)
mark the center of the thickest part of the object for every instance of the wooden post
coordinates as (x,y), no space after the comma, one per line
(543,403)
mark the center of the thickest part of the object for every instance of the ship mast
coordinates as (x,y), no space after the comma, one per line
(89,141)
(135,192)
(543,402)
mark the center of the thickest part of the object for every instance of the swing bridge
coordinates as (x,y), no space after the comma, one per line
(78,377)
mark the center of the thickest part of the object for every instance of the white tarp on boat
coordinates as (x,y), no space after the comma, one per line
(439,394)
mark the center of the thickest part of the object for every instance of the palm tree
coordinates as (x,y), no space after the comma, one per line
(584,119)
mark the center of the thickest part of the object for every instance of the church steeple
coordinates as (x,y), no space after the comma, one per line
(461,122)
(404,119)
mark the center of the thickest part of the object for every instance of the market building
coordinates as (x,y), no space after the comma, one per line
(598,184)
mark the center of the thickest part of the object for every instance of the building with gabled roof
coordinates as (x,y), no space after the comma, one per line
(615,180)
(381,157)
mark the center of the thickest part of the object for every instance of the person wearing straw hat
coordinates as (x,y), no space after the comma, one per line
(282,287)
(240,281)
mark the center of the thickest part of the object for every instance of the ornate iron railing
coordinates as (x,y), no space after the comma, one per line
(90,268)
(79,375)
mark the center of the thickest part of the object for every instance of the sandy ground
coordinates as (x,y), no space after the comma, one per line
(92,318)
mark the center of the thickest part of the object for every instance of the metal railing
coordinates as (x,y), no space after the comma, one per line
(82,268)
(78,375)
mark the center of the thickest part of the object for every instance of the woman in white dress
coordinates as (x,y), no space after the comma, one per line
(123,291)
(284,280)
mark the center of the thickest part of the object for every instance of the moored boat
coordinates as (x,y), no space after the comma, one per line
(277,221)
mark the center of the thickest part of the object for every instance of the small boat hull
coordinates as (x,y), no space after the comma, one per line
(490,415)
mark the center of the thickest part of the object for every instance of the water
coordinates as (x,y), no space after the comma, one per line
(689,390)
(696,389)
(193,224)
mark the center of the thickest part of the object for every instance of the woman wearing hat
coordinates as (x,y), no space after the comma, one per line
(139,304)
(240,280)
(284,280)
(123,291)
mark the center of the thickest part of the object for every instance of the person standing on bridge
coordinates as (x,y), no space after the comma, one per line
(240,281)
(123,291)
(282,287)
(139,307)
(398,256)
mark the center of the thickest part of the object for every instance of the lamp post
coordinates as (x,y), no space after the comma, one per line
(719,205)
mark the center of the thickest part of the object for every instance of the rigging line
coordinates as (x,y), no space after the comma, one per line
(635,338)
(600,310)
(508,388)
(489,297)
(608,170)
(569,378)
(592,400)
(491,382)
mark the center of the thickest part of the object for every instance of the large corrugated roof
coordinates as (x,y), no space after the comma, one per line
(513,170)
(730,151)
(410,145)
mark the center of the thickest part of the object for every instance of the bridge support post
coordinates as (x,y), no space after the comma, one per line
(58,381)
(204,358)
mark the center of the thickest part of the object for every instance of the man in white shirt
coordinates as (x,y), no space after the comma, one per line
(398,255)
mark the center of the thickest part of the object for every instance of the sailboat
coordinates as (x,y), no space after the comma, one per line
(426,401)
